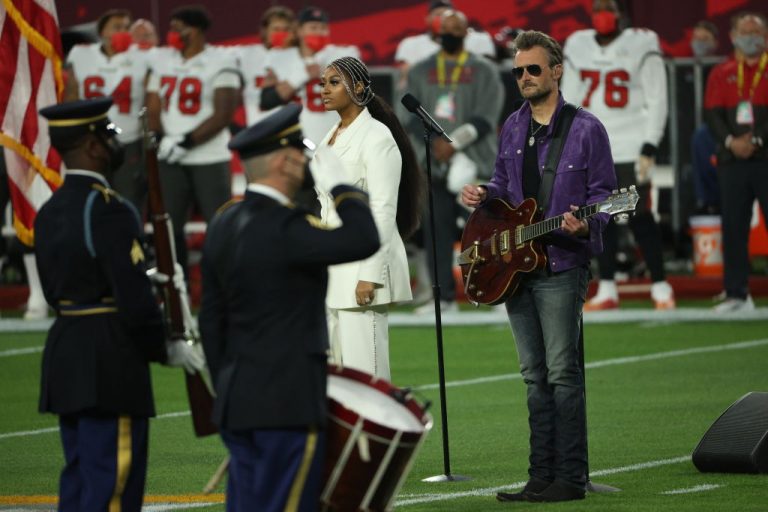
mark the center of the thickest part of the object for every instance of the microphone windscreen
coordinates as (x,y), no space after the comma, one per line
(410,102)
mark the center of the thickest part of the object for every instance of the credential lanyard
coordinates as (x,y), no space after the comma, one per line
(456,74)
(755,79)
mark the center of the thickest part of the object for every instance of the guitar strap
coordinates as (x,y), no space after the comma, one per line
(560,133)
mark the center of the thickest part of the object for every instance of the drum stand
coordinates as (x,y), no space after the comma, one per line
(446,476)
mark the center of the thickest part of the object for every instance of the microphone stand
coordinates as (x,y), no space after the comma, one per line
(446,476)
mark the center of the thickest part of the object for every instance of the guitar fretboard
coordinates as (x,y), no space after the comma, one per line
(548,225)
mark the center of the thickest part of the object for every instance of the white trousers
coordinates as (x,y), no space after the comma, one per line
(359,339)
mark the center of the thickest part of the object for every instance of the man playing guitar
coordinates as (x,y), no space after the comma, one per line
(545,311)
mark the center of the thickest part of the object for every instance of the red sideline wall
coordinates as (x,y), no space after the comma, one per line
(377,27)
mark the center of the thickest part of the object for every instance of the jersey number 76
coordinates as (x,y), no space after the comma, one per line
(616,93)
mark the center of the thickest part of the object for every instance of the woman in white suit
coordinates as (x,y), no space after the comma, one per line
(377,154)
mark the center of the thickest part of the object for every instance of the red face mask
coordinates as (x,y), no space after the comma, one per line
(120,41)
(173,39)
(605,22)
(437,25)
(317,42)
(278,38)
(144,45)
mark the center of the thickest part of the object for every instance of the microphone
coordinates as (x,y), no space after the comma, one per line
(413,105)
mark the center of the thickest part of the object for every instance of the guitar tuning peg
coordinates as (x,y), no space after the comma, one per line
(623,190)
(614,191)
(621,219)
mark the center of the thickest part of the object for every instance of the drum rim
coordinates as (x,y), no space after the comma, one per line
(383,386)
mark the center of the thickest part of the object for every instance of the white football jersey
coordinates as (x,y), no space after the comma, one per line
(624,84)
(186,88)
(289,65)
(252,59)
(121,77)
(417,48)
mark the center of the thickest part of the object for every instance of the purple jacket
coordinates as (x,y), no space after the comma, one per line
(585,175)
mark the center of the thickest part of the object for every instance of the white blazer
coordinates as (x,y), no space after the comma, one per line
(372,160)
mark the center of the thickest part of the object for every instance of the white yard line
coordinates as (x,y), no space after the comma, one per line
(698,488)
(21,351)
(431,498)
(509,376)
(612,362)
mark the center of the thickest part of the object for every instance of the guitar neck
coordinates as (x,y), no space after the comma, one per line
(546,226)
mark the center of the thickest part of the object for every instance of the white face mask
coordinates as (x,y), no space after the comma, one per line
(702,48)
(750,45)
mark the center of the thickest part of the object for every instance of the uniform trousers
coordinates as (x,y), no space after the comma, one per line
(208,186)
(105,463)
(741,182)
(274,470)
(130,179)
(643,226)
(359,339)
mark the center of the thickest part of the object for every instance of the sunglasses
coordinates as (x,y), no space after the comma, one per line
(532,69)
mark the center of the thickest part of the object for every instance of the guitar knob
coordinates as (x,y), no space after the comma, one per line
(527,259)
(472,287)
(475,271)
(480,293)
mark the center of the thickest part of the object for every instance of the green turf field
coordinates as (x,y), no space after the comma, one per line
(653,389)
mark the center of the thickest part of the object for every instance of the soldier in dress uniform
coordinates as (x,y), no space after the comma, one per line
(108,327)
(262,317)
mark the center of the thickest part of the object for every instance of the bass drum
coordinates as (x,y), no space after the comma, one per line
(374,433)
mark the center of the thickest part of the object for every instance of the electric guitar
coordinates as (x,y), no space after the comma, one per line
(499,243)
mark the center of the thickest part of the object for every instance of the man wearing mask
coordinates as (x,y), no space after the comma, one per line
(736,111)
(95,372)
(416,48)
(618,74)
(704,39)
(463,92)
(295,72)
(115,68)
(144,34)
(278,31)
(191,99)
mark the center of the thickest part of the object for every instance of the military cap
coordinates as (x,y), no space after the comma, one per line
(313,14)
(69,121)
(276,131)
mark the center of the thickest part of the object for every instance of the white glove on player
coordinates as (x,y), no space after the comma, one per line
(185,355)
(462,170)
(169,149)
(327,170)
(643,169)
(178,277)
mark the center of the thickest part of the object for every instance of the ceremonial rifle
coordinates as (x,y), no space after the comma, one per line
(177,311)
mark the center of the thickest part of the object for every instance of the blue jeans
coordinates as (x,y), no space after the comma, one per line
(545,315)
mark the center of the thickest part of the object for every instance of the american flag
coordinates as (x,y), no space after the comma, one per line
(30,78)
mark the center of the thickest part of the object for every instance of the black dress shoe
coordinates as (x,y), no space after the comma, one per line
(557,491)
(534,485)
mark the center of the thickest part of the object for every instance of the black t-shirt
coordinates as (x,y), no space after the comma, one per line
(531,173)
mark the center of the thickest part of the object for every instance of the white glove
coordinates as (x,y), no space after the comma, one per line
(184,355)
(643,169)
(169,149)
(462,170)
(178,277)
(327,170)
(463,136)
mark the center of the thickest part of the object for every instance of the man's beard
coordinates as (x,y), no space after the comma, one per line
(537,96)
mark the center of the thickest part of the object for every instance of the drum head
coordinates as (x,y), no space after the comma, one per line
(374,404)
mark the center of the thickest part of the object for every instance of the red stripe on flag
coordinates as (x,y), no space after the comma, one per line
(9,53)
(22,208)
(29,129)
